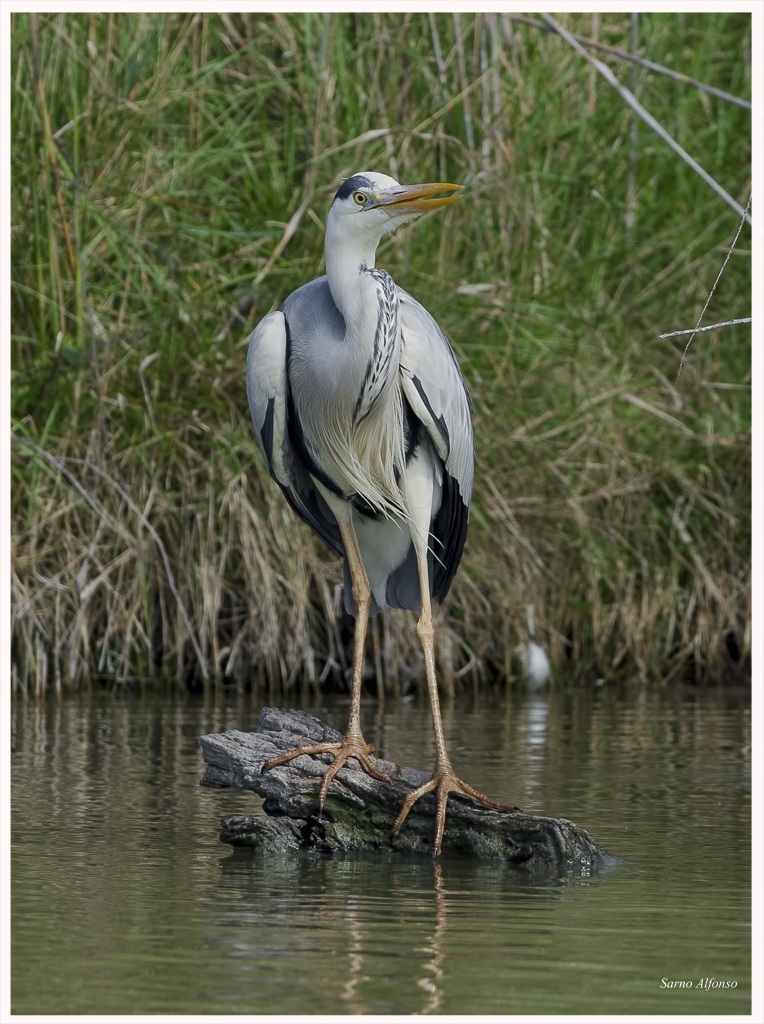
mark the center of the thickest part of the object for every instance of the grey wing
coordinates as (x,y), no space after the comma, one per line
(436,392)
(272,414)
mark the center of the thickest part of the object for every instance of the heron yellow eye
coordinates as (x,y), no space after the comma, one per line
(359,197)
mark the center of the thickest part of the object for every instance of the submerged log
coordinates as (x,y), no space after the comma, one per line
(359,811)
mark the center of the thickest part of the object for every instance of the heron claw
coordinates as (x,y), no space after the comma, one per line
(446,782)
(342,751)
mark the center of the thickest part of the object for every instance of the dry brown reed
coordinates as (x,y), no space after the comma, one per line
(170,178)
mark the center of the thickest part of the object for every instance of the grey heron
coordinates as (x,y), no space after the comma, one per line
(362,414)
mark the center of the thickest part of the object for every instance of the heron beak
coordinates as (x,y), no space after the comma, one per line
(410,199)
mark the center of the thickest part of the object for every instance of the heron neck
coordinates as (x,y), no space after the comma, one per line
(352,288)
(368,300)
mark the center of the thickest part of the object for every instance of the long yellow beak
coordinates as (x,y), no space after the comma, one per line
(421,198)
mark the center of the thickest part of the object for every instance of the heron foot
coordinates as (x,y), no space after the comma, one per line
(444,782)
(355,747)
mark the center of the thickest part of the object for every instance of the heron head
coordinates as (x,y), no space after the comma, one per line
(369,204)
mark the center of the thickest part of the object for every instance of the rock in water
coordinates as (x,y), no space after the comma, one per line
(359,811)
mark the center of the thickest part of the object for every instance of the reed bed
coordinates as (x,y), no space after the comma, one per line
(171,175)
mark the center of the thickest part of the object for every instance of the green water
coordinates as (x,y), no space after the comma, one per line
(125,902)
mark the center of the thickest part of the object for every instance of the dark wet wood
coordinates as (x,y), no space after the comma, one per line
(359,811)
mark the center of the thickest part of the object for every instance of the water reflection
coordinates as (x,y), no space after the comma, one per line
(125,902)
(432,981)
(536,713)
(367,930)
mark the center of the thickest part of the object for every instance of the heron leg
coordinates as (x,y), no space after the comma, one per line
(353,745)
(444,779)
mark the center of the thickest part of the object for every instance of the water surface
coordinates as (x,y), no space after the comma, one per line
(124,901)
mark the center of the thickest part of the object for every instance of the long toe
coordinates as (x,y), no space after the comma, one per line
(477,797)
(290,755)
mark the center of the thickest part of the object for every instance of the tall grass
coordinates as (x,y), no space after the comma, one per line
(171,175)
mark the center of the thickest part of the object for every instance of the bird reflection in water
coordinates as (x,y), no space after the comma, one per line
(432,976)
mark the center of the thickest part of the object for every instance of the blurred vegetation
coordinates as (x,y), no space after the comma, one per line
(171,175)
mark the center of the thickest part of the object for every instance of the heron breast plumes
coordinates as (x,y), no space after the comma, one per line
(356,434)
